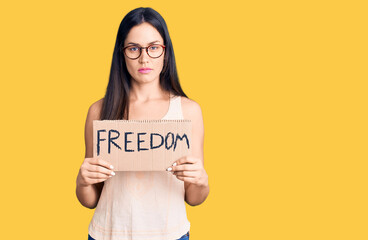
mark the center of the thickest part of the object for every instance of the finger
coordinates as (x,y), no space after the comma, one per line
(89,180)
(185,159)
(185,167)
(97,175)
(186,173)
(96,168)
(186,179)
(180,161)
(101,162)
(97,180)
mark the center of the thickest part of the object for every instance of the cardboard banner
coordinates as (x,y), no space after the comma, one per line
(141,145)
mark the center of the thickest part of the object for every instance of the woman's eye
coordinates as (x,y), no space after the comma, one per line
(133,49)
(153,48)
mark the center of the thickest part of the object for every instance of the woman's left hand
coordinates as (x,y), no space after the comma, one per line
(189,169)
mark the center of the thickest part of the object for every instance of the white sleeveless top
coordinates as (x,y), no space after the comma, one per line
(142,205)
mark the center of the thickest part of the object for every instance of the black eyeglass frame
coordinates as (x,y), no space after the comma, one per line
(140,50)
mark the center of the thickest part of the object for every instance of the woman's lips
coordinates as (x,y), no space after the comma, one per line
(145,70)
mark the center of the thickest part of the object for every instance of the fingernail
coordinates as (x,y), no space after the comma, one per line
(174,164)
(169,169)
(111,166)
(112,173)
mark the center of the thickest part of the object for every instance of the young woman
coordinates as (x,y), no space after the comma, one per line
(143,84)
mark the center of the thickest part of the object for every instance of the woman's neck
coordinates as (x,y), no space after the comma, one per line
(146,91)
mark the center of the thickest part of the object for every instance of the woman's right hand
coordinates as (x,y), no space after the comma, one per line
(94,170)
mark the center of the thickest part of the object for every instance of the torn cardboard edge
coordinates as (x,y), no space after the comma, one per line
(141,145)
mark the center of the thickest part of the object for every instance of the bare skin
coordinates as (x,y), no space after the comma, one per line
(147,101)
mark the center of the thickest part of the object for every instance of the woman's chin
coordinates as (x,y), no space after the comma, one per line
(144,79)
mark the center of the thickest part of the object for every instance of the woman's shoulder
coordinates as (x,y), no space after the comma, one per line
(191,109)
(94,110)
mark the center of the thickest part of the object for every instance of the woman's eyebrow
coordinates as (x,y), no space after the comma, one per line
(139,44)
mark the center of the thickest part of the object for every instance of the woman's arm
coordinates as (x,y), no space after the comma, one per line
(190,169)
(88,195)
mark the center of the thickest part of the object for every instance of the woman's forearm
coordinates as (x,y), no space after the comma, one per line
(88,196)
(195,195)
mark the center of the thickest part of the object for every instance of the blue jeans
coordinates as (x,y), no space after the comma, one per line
(184,237)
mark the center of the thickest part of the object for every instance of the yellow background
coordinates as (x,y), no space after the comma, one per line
(283,90)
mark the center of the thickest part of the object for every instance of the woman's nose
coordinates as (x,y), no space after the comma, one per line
(144,56)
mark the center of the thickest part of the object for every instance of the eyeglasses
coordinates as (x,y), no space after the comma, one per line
(134,52)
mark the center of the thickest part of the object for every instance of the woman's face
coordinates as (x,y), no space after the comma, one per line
(143,35)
